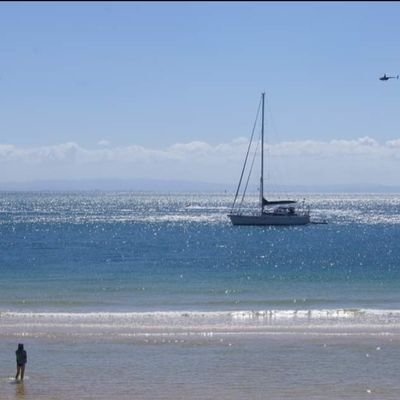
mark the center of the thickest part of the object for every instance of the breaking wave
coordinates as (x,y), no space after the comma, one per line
(174,323)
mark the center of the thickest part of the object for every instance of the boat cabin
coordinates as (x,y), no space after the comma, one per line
(284,210)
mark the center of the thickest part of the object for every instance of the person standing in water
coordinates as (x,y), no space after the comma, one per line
(21,361)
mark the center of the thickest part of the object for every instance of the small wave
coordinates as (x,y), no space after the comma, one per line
(175,324)
(210,316)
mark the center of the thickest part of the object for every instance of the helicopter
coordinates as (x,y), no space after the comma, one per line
(386,78)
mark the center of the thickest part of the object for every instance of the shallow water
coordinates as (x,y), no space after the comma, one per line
(256,367)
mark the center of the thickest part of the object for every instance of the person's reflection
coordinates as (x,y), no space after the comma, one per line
(20,390)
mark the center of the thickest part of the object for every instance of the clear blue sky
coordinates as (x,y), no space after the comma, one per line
(157,74)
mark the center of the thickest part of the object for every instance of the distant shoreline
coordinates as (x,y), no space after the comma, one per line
(177,186)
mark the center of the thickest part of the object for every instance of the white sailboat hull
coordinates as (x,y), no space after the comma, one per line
(269,219)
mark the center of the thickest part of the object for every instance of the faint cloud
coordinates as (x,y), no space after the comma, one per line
(337,147)
(198,160)
(73,152)
(393,143)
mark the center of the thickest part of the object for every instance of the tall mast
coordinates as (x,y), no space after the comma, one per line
(262,156)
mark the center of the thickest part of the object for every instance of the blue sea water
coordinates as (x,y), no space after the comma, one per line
(143,269)
(81,252)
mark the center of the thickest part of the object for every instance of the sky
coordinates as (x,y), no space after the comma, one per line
(170,90)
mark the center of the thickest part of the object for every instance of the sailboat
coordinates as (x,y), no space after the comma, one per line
(275,212)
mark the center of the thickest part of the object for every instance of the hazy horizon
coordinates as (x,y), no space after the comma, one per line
(159,185)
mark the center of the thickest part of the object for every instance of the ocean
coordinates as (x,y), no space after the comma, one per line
(157,296)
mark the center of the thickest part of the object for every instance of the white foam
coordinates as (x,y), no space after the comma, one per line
(244,316)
